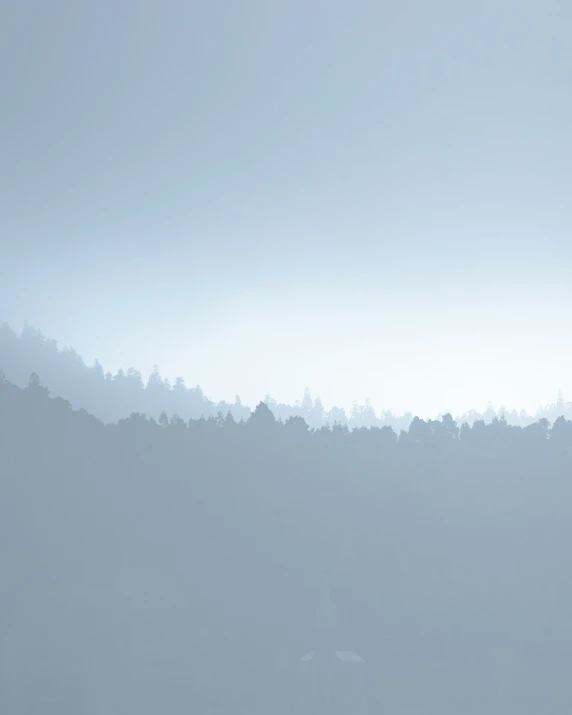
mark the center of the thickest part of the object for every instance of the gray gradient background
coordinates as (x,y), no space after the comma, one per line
(370,198)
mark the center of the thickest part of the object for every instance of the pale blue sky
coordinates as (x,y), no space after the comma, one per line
(371,199)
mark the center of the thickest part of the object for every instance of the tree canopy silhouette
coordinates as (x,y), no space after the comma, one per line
(152,553)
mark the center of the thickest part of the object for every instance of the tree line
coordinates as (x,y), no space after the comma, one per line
(111,397)
(174,565)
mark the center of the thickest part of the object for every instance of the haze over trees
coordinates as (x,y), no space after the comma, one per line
(173,565)
(296,205)
(114,396)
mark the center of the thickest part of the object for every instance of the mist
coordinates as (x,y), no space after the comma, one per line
(285,418)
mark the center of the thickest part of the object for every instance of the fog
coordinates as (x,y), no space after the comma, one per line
(371,201)
(285,417)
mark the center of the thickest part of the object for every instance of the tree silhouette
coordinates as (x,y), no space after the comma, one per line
(262,416)
(215,532)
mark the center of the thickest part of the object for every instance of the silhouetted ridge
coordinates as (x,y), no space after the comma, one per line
(113,397)
(182,558)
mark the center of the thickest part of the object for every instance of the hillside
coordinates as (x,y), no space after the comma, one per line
(157,567)
(111,397)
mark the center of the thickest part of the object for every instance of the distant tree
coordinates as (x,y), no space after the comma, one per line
(449,427)
(538,430)
(318,413)
(154,382)
(296,425)
(135,378)
(307,403)
(363,415)
(419,431)
(340,430)
(337,415)
(270,401)
(36,387)
(176,421)
(179,385)
(262,416)
(490,412)
(561,432)
(97,369)
(465,432)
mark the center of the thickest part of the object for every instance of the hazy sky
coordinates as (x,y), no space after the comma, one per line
(371,199)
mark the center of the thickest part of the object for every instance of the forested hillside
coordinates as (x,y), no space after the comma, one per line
(173,566)
(111,397)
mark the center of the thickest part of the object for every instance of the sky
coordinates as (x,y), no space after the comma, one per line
(369,199)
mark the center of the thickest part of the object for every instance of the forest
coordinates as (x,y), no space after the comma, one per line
(111,397)
(172,565)
(285,359)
